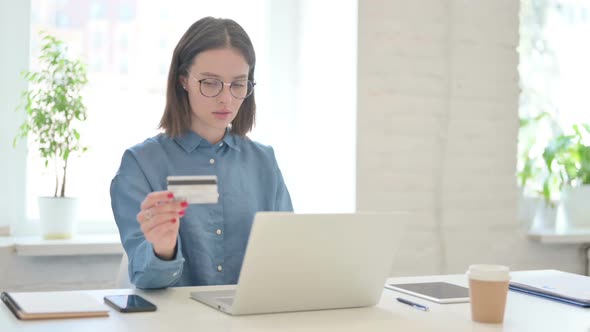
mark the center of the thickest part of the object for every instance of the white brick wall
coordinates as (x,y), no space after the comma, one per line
(437,129)
(44,273)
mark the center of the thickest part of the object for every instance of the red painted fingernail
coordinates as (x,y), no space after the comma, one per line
(184,203)
(181,213)
(170,195)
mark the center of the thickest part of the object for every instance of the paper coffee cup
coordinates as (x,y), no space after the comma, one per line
(488,289)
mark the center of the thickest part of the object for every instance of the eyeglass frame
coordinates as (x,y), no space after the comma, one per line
(223,85)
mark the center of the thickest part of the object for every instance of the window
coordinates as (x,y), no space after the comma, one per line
(554,71)
(302,113)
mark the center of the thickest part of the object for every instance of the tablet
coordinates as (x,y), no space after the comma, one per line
(440,292)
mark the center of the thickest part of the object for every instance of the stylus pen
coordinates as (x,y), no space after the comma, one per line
(413,304)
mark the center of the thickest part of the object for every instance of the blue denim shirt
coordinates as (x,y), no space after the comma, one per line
(212,237)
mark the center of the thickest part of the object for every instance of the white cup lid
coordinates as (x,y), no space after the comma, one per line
(488,272)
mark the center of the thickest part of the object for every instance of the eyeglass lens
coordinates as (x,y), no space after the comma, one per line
(212,87)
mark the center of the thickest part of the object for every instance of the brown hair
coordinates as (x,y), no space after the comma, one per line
(206,34)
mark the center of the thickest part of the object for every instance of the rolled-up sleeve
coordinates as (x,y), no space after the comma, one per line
(128,189)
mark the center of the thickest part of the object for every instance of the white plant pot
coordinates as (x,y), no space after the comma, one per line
(545,217)
(58,216)
(575,202)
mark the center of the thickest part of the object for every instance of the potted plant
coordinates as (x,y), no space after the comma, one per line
(54,106)
(567,157)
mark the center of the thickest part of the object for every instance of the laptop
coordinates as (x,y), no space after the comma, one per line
(299,262)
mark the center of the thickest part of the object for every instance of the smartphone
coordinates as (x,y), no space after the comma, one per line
(129,303)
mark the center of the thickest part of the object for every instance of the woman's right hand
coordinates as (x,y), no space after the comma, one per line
(159,221)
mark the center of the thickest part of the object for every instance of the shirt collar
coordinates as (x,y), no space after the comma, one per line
(230,140)
(190,140)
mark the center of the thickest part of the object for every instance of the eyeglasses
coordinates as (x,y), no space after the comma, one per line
(212,87)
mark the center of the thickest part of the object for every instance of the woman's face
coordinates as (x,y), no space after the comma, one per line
(212,115)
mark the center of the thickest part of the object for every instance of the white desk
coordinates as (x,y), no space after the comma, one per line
(177,312)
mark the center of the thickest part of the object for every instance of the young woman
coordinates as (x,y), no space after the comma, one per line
(209,110)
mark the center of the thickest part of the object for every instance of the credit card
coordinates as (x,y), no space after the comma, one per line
(195,189)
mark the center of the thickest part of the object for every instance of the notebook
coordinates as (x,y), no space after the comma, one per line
(47,305)
(298,262)
(553,284)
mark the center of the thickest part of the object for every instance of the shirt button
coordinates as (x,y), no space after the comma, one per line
(221,144)
(218,232)
(211,161)
(174,274)
(219,268)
